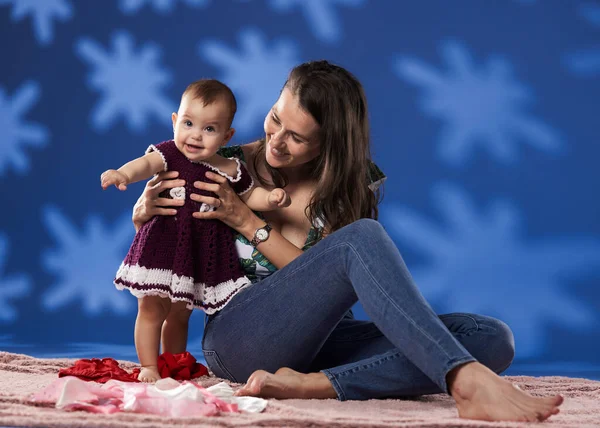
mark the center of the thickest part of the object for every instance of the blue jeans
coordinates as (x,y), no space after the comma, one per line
(299,317)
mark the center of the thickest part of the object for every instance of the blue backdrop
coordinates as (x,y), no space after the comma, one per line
(484,117)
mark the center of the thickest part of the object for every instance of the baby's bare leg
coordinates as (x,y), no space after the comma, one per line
(175,328)
(152,311)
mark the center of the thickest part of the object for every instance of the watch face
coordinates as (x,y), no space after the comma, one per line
(262,234)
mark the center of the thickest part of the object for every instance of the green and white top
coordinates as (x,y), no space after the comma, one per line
(255,265)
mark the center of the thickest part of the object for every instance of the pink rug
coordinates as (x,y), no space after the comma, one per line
(21,375)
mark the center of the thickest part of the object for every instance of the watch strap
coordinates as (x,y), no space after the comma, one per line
(256,239)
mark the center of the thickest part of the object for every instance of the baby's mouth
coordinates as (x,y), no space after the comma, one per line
(193,148)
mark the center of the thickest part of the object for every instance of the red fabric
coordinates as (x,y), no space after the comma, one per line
(99,370)
(179,366)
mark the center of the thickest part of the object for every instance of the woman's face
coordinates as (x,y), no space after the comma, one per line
(292,134)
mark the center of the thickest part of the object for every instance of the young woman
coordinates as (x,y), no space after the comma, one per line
(291,334)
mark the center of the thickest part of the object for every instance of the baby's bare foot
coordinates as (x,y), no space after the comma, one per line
(287,383)
(149,374)
(481,394)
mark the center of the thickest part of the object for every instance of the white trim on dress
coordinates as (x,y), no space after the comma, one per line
(249,187)
(152,148)
(219,294)
(224,174)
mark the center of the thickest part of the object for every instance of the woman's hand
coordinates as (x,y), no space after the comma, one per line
(149,204)
(230,209)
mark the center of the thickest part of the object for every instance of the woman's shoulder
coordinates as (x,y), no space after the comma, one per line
(242,152)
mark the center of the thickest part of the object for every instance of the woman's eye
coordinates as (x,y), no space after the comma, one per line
(296,139)
(275,119)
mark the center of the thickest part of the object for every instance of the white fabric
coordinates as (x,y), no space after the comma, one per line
(166,397)
(209,295)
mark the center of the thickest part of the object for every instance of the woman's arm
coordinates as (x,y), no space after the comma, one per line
(236,214)
(149,204)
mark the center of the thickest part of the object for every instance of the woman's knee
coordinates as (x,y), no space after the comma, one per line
(507,340)
(503,346)
(488,339)
(363,229)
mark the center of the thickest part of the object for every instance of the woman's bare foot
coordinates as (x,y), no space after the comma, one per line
(149,374)
(483,395)
(287,383)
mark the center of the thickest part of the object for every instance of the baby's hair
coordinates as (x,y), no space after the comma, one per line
(211,90)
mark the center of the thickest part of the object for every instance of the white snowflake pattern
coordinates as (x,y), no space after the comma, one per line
(43,12)
(11,287)
(131,83)
(15,132)
(586,62)
(161,6)
(86,264)
(479,106)
(481,264)
(320,14)
(255,86)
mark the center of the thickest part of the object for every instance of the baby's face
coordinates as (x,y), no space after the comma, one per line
(201,130)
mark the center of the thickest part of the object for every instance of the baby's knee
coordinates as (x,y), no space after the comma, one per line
(179,313)
(154,307)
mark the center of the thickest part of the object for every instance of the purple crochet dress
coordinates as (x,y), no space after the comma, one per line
(183,258)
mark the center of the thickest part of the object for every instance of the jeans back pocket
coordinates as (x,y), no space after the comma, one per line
(216,366)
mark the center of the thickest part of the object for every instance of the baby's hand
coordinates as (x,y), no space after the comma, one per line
(279,198)
(112,176)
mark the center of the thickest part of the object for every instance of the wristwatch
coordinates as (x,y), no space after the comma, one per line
(261,235)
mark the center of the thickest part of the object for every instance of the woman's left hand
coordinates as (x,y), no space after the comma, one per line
(230,209)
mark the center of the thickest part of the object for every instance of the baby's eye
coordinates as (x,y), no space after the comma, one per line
(188,123)
(210,129)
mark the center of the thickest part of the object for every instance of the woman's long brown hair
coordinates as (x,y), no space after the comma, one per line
(336,100)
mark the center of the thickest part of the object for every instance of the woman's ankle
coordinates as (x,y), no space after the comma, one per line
(460,377)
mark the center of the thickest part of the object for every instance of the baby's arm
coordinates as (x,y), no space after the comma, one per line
(257,198)
(136,170)
(261,199)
